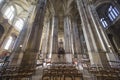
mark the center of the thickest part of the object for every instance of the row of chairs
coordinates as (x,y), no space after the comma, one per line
(63,63)
(62,72)
(105,73)
(15,72)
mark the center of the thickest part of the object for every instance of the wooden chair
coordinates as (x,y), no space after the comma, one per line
(76,73)
(54,73)
(60,73)
(67,73)
(25,73)
(10,72)
(46,73)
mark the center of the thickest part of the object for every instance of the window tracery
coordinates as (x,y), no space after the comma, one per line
(19,24)
(8,43)
(113,13)
(9,13)
(104,23)
(1,1)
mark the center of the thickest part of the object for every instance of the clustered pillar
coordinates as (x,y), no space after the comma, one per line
(91,46)
(96,40)
(67,34)
(76,37)
(55,36)
(33,43)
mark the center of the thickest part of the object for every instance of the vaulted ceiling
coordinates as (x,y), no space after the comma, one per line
(22,6)
(58,8)
(61,9)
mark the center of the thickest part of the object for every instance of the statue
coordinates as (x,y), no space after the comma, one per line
(61,51)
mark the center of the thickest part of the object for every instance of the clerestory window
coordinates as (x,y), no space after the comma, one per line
(104,23)
(19,24)
(113,13)
(1,1)
(9,13)
(8,43)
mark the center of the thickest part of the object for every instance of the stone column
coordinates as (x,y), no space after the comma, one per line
(17,52)
(76,37)
(83,48)
(72,39)
(52,35)
(55,36)
(49,36)
(45,39)
(88,34)
(67,34)
(33,43)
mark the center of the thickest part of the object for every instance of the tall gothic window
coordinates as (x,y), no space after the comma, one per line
(8,43)
(113,13)
(19,24)
(9,13)
(104,23)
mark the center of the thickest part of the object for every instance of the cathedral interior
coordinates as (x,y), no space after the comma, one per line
(59,40)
